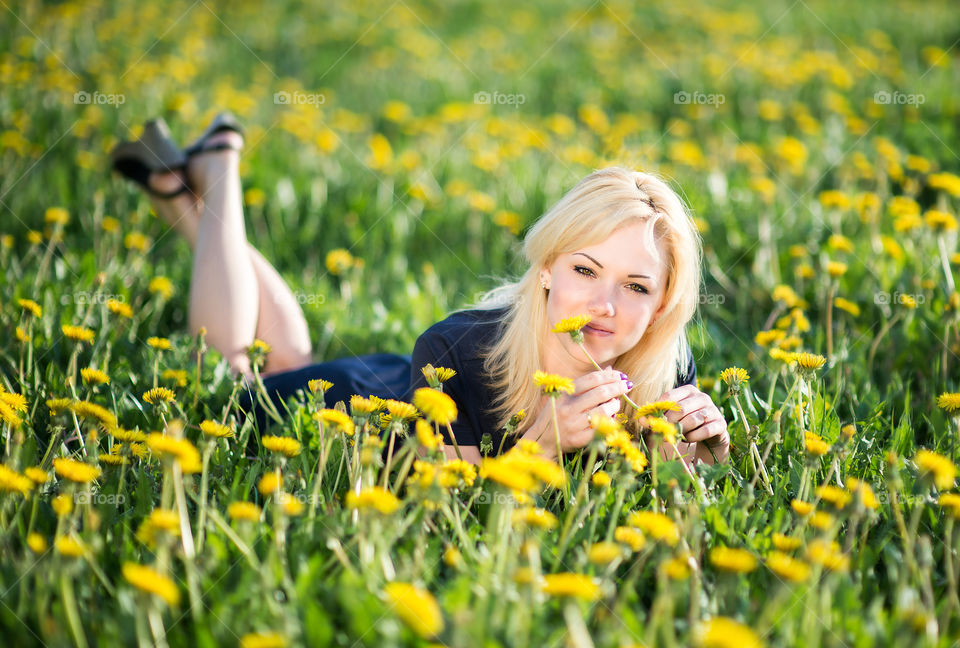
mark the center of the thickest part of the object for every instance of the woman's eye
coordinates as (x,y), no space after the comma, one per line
(580,270)
(638,288)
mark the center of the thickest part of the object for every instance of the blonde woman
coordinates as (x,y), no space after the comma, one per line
(619,247)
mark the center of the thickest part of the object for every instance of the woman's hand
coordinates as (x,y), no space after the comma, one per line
(700,422)
(597,392)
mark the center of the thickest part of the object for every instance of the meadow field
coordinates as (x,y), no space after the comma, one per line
(396,152)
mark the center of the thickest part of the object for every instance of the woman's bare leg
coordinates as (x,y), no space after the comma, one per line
(279,319)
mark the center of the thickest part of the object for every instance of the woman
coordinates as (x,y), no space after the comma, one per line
(619,247)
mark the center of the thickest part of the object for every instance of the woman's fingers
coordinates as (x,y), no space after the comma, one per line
(708,431)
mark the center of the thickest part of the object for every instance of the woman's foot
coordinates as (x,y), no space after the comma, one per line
(210,164)
(182,212)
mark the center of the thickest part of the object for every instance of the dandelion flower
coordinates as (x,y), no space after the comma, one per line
(501,472)
(435,405)
(677,568)
(158,396)
(552,384)
(630,537)
(88,410)
(75,471)
(416,607)
(836,268)
(37,475)
(572,585)
(847,305)
(37,543)
(657,407)
(941,469)
(604,553)
(286,446)
(246,511)
(93,376)
(534,517)
(814,444)
(376,498)
(62,505)
(31,307)
(833,494)
(864,492)
(161,286)
(787,567)
(270,483)
(339,261)
(664,428)
(337,419)
(656,525)
(68,546)
(401,411)
(809,361)
(263,640)
(151,581)
(180,450)
(949,402)
(77,333)
(734,377)
(216,430)
(573,326)
(12,481)
(119,308)
(723,632)
(361,406)
(600,479)
(319,385)
(785,543)
(733,560)
(801,508)
(827,554)
(290,505)
(427,437)
(8,414)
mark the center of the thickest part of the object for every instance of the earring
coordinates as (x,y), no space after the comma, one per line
(543,284)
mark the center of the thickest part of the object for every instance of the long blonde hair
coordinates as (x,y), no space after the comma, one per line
(600,204)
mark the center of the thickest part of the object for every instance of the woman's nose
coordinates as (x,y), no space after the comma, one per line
(602,306)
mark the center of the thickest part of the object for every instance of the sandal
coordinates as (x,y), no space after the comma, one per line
(225,121)
(155,151)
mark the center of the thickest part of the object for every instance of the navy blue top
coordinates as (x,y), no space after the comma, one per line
(458,342)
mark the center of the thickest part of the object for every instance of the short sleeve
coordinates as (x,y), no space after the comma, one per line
(432,348)
(689,375)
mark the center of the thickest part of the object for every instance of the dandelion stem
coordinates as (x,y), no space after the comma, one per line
(70,607)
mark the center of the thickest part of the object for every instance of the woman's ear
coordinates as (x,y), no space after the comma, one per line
(545,278)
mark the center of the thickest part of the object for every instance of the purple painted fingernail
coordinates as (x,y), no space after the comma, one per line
(629,384)
(624,376)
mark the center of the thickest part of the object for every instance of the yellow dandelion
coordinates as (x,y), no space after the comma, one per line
(68,546)
(263,640)
(847,305)
(723,632)
(657,407)
(734,376)
(401,411)
(12,481)
(245,511)
(604,553)
(814,444)
(939,468)
(337,419)
(290,505)
(600,479)
(76,471)
(375,498)
(151,581)
(809,361)
(821,520)
(733,560)
(766,338)
(216,430)
(62,505)
(630,537)
(949,402)
(786,543)
(571,585)
(435,405)
(552,384)
(427,437)
(88,410)
(161,286)
(503,473)
(339,261)
(416,607)
(37,543)
(37,475)
(534,517)
(836,268)
(270,483)
(833,494)
(573,326)
(31,307)
(319,385)
(93,376)
(286,446)
(663,428)
(180,450)
(159,343)
(787,567)
(656,525)
(677,568)
(827,554)
(801,508)
(119,308)
(77,333)
(158,396)
(178,376)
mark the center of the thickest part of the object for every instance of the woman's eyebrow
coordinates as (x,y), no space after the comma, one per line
(635,276)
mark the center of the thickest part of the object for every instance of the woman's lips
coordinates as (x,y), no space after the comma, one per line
(596,331)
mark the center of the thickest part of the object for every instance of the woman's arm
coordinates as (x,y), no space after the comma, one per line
(470,453)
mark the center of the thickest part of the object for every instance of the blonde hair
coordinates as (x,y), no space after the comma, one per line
(603,202)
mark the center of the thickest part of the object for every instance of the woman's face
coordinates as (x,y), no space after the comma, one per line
(618,283)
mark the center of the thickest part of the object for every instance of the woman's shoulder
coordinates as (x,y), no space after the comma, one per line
(468,331)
